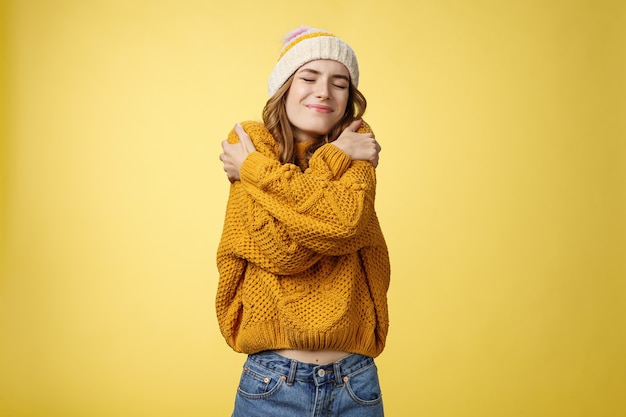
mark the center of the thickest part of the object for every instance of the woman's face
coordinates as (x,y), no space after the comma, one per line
(317,98)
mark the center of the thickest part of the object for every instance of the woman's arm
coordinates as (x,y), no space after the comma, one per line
(320,212)
(251,233)
(357,143)
(287,210)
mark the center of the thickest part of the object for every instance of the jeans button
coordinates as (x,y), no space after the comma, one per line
(321,373)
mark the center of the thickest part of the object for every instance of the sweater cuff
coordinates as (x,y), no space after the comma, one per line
(336,159)
(253,168)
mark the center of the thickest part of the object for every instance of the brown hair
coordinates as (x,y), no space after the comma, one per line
(276,121)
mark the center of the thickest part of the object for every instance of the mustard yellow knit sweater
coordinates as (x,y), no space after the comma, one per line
(302,260)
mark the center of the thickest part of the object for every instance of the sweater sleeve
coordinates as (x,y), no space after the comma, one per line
(323,212)
(250,232)
(254,232)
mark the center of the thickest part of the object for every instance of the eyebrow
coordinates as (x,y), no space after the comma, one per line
(315,72)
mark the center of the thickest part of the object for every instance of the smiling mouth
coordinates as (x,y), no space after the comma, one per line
(320,108)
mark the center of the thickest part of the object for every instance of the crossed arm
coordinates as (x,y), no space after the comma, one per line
(358,146)
(292,217)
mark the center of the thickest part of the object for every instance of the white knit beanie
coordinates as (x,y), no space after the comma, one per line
(306,44)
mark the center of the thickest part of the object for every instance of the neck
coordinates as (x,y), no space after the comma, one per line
(300,136)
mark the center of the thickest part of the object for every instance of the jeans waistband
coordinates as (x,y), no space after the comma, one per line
(292,369)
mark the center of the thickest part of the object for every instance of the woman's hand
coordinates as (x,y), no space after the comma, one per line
(358,146)
(235,153)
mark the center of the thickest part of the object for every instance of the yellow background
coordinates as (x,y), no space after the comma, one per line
(502,194)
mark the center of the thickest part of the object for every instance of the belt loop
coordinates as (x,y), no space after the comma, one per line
(292,372)
(337,372)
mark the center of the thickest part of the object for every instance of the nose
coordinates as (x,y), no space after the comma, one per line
(322,90)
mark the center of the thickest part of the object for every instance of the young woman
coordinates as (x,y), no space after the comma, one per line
(304,268)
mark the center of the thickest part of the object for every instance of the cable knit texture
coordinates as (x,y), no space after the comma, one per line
(302,260)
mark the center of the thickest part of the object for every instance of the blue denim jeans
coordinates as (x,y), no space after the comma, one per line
(272,385)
